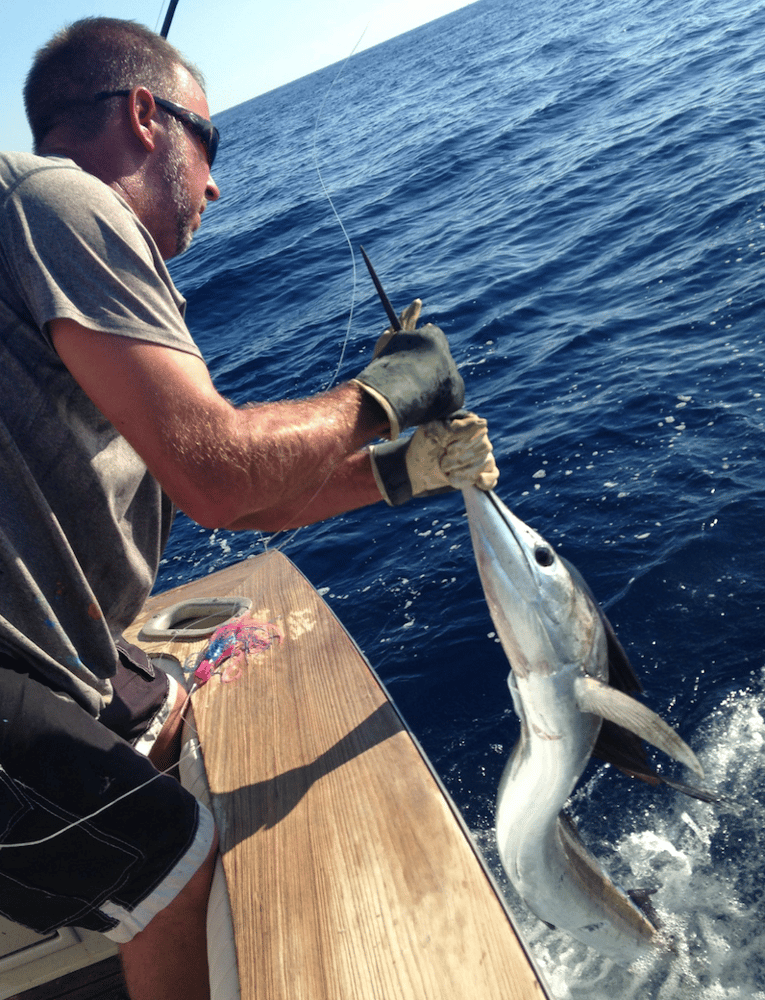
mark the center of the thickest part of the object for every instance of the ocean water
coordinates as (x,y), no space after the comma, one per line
(576,193)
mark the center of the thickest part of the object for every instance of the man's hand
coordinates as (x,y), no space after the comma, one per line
(407,317)
(440,456)
(412,374)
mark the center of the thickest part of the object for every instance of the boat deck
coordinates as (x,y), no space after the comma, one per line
(349,872)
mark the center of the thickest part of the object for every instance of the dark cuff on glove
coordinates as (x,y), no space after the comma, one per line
(392,476)
(389,467)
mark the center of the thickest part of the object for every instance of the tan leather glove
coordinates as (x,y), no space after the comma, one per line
(441,456)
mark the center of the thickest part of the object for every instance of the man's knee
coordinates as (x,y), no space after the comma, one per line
(168,958)
(191,901)
(167,747)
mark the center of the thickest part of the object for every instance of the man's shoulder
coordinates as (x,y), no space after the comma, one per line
(51,194)
(16,168)
(50,178)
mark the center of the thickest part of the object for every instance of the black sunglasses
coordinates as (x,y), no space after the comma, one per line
(203,129)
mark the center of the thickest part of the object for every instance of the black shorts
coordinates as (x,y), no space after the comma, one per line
(91,834)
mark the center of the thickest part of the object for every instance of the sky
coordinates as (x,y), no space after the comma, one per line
(244,48)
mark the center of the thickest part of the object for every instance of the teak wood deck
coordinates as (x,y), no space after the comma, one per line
(349,875)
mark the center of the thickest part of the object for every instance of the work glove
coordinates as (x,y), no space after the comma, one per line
(412,374)
(441,456)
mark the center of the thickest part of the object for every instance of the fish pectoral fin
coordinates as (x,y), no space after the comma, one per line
(599,699)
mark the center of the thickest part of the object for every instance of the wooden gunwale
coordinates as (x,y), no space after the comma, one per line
(350,874)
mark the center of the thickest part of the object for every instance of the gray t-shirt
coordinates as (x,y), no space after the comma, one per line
(82,522)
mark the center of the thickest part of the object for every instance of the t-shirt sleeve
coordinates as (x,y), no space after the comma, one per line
(80,253)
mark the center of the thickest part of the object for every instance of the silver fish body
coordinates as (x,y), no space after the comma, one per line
(557,641)
(551,870)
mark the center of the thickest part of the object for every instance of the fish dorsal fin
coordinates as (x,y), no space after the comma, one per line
(599,699)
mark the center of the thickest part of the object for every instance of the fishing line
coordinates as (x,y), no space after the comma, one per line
(187,731)
(164,31)
(90,816)
(184,754)
(290,537)
(332,205)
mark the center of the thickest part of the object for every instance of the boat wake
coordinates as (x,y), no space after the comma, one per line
(705,863)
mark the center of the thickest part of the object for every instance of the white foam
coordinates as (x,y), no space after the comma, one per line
(706,864)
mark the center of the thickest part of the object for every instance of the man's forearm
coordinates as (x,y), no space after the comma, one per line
(348,486)
(291,463)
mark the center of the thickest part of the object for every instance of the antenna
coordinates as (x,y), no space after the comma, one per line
(168,18)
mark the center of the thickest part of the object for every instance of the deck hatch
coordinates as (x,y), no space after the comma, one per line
(194,619)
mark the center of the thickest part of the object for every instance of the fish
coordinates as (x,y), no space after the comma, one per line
(572,688)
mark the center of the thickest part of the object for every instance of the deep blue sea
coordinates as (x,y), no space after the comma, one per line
(576,192)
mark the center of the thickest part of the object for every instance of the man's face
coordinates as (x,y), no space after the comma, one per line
(184,173)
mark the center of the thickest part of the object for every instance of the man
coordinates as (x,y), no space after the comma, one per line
(108,421)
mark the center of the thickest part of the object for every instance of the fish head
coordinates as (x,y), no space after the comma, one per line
(546,618)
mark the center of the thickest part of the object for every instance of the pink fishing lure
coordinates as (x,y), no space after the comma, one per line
(230,644)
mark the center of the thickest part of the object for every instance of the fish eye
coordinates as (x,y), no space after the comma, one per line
(544,556)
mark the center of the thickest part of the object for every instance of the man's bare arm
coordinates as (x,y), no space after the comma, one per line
(269,465)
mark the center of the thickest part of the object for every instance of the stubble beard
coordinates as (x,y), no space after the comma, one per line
(173,176)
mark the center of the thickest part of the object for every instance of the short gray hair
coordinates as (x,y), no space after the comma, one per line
(93,55)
